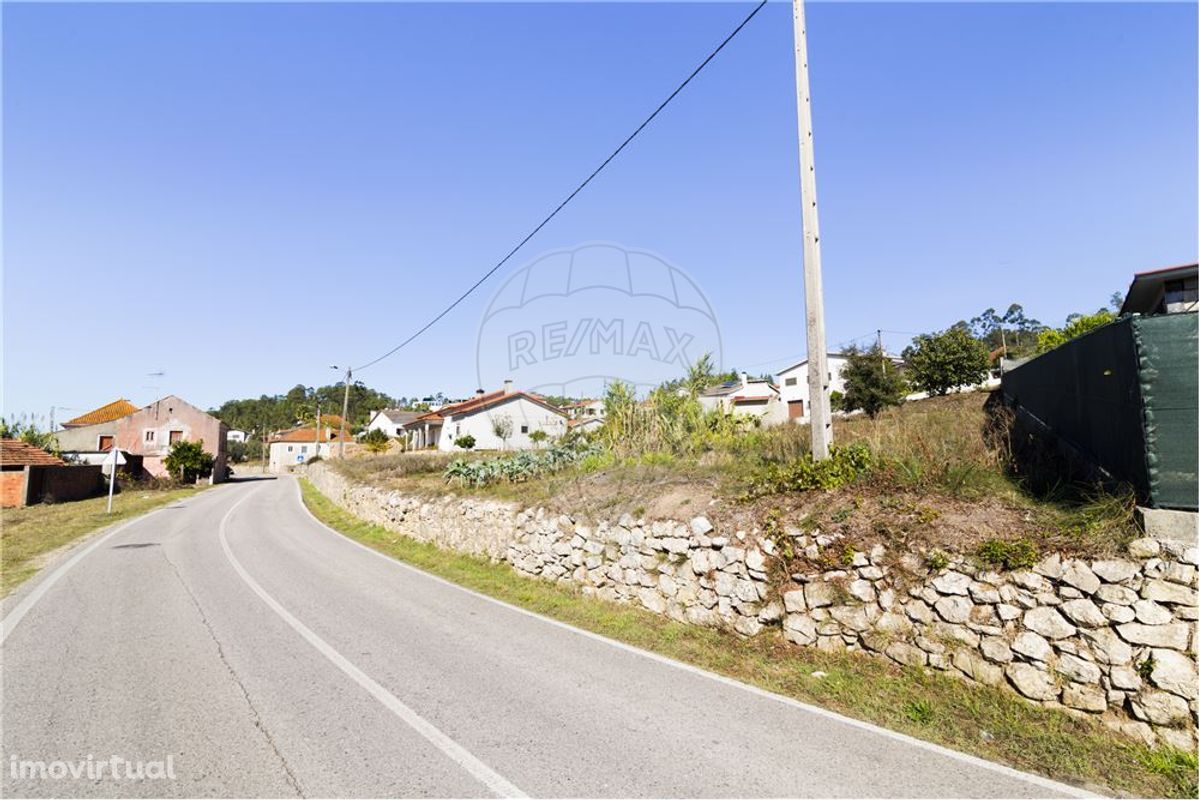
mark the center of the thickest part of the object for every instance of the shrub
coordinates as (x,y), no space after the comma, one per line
(1017,554)
(872,382)
(518,467)
(1076,325)
(919,711)
(376,441)
(188,461)
(844,466)
(538,436)
(939,362)
(465,441)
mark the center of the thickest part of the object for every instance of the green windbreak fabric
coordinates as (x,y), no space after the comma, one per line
(1168,354)
(1087,391)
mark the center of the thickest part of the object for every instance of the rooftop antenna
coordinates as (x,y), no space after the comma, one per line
(157,376)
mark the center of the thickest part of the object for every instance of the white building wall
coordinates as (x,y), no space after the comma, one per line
(380,422)
(793,384)
(285,455)
(526,417)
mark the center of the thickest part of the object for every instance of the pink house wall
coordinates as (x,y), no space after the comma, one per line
(147,433)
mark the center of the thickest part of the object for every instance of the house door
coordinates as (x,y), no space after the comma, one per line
(105,443)
(794,409)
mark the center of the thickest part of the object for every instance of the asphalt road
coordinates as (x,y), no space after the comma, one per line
(254,652)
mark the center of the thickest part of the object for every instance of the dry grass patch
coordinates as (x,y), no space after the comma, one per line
(934,483)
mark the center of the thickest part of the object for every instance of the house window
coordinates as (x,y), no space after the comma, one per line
(176,436)
(791,381)
(105,443)
(290,448)
(399,431)
(524,428)
(148,437)
(1183,290)
(304,448)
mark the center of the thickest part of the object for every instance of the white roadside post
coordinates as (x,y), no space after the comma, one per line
(114,460)
(818,401)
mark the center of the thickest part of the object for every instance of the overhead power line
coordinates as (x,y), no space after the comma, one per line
(569,197)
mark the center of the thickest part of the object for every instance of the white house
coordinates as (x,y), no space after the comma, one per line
(757,398)
(520,412)
(585,424)
(585,409)
(235,435)
(300,445)
(793,383)
(391,421)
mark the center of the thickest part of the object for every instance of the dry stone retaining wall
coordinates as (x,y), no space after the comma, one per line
(1114,638)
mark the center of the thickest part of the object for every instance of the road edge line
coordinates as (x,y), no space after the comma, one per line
(431,733)
(26,603)
(1003,769)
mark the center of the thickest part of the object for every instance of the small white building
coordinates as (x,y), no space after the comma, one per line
(391,421)
(235,436)
(301,445)
(745,397)
(585,409)
(520,412)
(585,424)
(793,384)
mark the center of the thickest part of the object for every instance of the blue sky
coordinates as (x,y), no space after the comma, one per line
(241,195)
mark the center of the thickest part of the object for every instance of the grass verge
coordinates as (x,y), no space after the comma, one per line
(28,534)
(970,718)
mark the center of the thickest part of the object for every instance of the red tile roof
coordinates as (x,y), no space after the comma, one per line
(106,413)
(308,435)
(479,403)
(15,453)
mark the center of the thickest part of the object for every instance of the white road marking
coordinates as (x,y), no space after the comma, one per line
(1037,780)
(456,752)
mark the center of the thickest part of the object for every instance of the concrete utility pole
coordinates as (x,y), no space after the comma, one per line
(818,402)
(345,409)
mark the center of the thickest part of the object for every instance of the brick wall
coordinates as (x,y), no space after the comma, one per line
(12,488)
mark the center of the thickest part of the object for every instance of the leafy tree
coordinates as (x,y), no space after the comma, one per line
(237,452)
(188,461)
(538,436)
(1013,328)
(501,426)
(28,432)
(1076,325)
(376,441)
(465,441)
(939,362)
(872,382)
(266,413)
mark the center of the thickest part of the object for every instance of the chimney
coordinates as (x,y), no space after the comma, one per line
(508,386)
(744,380)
